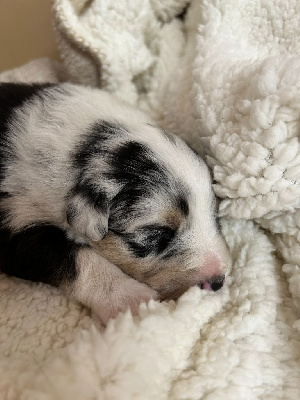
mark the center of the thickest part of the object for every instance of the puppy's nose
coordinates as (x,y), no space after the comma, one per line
(213,284)
(217,284)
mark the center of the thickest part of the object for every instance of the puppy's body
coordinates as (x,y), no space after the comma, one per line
(97,200)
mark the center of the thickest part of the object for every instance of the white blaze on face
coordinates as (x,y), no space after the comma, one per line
(210,253)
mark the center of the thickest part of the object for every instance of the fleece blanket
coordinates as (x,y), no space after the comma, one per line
(225,76)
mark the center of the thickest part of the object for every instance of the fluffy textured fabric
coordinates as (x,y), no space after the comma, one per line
(226,78)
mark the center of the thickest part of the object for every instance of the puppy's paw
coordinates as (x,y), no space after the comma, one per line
(129,296)
(104,288)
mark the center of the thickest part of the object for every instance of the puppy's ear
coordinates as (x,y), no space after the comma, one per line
(87,213)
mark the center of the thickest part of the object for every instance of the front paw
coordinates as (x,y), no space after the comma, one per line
(129,296)
(104,288)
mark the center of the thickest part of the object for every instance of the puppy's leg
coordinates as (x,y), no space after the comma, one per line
(46,254)
(105,288)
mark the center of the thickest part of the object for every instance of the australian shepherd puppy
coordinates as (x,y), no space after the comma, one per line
(97,200)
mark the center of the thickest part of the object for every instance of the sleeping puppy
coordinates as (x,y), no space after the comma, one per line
(97,200)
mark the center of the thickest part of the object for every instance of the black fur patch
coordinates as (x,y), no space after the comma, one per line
(95,143)
(135,160)
(149,240)
(139,172)
(40,254)
(12,96)
(183,205)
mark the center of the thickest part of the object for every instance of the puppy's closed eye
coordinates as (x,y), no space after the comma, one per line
(149,240)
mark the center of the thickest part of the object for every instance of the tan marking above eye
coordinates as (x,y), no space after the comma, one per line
(174,218)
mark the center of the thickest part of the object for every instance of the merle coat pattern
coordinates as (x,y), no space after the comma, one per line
(97,200)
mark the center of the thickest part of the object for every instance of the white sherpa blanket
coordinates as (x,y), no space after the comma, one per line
(226,78)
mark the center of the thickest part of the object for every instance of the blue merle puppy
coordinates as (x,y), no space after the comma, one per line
(97,200)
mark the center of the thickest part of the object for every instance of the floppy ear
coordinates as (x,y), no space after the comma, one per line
(88,215)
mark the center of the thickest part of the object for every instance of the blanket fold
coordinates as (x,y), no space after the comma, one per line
(224,75)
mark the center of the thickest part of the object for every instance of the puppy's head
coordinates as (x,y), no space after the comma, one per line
(160,207)
(157,211)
